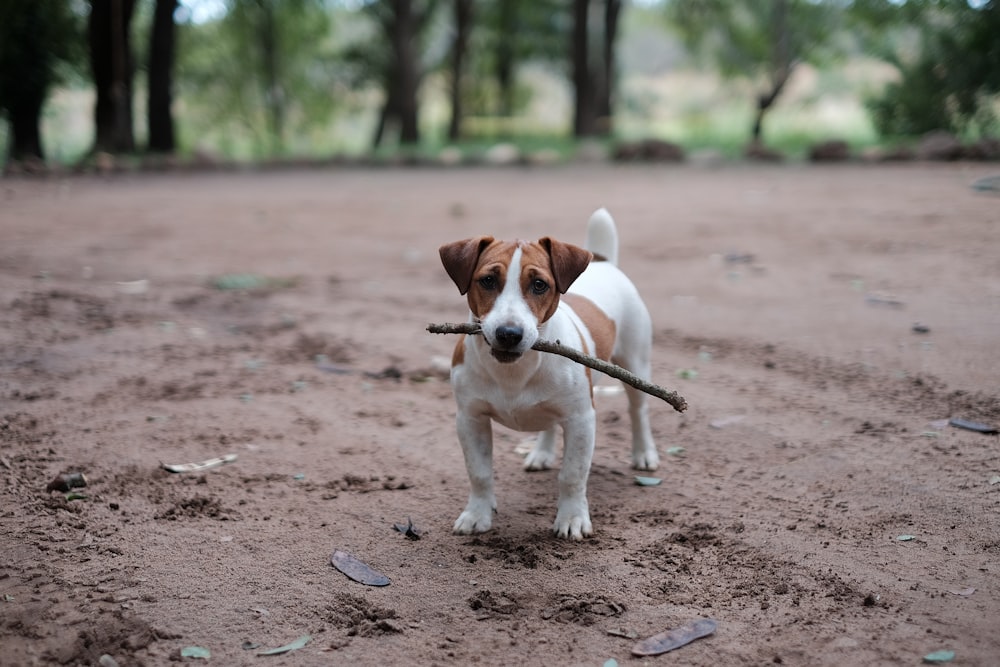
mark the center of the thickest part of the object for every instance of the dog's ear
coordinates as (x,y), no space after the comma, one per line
(459,259)
(568,261)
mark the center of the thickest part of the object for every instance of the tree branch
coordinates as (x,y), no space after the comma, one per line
(672,397)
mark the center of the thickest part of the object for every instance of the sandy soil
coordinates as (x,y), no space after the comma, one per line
(784,301)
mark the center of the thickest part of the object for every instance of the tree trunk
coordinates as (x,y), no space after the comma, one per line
(612,10)
(387,115)
(274,92)
(112,66)
(585,108)
(505,56)
(26,140)
(781,67)
(404,35)
(161,64)
(463,24)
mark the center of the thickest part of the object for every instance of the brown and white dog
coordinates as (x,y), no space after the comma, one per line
(519,292)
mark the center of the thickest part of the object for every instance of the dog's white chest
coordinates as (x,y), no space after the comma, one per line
(536,417)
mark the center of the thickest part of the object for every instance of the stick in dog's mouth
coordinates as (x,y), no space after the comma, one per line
(672,397)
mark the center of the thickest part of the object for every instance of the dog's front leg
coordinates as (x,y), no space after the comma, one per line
(476,437)
(573,513)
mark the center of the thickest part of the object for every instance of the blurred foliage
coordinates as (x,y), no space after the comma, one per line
(267,67)
(762,41)
(948,56)
(260,78)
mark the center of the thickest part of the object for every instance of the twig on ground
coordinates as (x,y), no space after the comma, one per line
(672,397)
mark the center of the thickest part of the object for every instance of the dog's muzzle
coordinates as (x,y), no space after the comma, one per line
(507,340)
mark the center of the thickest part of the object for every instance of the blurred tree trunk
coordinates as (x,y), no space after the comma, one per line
(112,66)
(781,66)
(463,25)
(593,77)
(402,25)
(612,11)
(274,92)
(161,64)
(24,114)
(585,103)
(507,20)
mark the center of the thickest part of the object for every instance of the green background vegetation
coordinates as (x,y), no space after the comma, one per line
(694,72)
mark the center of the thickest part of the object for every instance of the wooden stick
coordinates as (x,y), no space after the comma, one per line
(671,397)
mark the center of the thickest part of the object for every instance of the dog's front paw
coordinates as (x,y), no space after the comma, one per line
(573,523)
(477,518)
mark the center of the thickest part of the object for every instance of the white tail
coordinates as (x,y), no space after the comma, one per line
(602,238)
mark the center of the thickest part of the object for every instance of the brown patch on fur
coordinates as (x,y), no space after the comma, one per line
(536,264)
(601,327)
(458,354)
(461,257)
(493,261)
(567,261)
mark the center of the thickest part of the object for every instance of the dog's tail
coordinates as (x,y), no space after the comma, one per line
(602,237)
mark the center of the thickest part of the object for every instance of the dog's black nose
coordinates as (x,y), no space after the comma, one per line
(509,336)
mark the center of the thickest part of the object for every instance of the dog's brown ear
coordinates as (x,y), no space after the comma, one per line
(568,261)
(460,257)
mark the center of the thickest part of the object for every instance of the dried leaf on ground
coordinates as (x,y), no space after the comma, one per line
(671,639)
(356,570)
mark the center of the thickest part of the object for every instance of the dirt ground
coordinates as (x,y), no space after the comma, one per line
(283,321)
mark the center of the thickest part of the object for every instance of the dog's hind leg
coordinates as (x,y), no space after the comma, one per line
(543,455)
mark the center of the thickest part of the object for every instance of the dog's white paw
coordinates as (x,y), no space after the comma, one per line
(477,518)
(573,523)
(539,459)
(646,460)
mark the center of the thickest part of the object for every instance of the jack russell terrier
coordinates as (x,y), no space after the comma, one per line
(519,292)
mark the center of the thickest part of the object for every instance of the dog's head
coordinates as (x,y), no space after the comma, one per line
(512,286)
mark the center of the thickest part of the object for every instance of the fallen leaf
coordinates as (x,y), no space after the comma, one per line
(621,632)
(969,425)
(196,652)
(408,529)
(200,465)
(964,592)
(675,451)
(671,639)
(611,663)
(356,570)
(995,479)
(294,646)
(905,538)
(940,656)
(647,481)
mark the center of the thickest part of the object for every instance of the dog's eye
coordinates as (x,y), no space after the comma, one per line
(488,282)
(539,286)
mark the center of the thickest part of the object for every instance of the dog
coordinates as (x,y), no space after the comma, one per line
(519,292)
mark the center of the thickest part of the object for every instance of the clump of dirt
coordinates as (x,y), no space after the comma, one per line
(487,603)
(582,610)
(195,507)
(361,618)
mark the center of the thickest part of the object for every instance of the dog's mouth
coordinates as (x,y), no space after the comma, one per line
(505,356)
